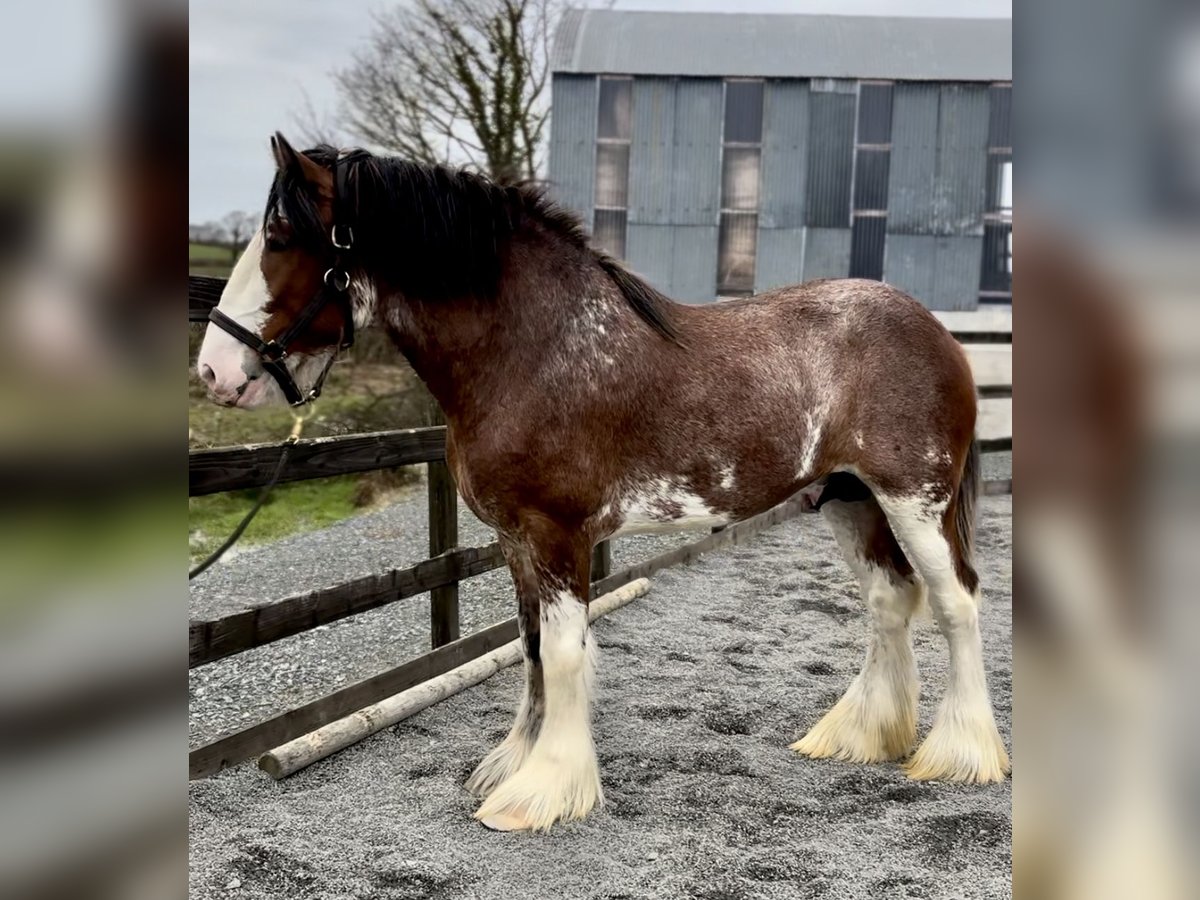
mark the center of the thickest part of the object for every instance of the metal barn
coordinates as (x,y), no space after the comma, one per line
(724,154)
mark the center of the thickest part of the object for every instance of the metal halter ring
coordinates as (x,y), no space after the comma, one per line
(274,350)
(341,244)
(338,279)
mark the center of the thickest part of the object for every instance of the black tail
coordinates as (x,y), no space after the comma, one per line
(965,502)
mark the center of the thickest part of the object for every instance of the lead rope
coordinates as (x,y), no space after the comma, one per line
(284,450)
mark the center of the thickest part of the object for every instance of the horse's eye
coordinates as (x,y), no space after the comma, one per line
(279,233)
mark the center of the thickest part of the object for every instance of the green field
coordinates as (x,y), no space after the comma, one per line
(209,259)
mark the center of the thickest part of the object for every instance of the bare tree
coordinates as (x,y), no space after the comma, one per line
(315,127)
(208,233)
(238,226)
(455,81)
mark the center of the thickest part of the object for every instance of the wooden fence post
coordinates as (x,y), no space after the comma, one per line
(443,536)
(601,561)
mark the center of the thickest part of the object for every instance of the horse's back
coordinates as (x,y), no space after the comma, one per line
(851,374)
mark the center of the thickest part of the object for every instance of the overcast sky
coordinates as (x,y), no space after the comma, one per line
(252,61)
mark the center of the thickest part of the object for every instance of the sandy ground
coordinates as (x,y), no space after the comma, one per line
(702,685)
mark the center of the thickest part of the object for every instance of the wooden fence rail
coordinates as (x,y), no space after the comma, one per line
(213,639)
(237,468)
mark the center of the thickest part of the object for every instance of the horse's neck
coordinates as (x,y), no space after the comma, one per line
(469,353)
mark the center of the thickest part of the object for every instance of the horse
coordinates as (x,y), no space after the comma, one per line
(582,404)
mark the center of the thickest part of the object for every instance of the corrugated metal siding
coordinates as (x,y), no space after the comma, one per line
(1000,121)
(826,253)
(956,273)
(652,154)
(908,263)
(961,186)
(785,154)
(695,179)
(693,264)
(913,166)
(938,177)
(572,154)
(649,250)
(830,159)
(941,272)
(780,258)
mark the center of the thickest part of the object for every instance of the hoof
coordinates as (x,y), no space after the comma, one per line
(542,793)
(499,765)
(969,752)
(504,821)
(852,733)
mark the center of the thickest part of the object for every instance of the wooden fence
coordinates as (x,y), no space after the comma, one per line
(236,468)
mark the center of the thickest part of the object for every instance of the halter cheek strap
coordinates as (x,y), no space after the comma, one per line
(335,288)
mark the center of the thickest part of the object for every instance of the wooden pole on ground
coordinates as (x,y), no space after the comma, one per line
(316,745)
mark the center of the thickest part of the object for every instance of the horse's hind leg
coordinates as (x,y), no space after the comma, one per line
(964,744)
(510,754)
(876,719)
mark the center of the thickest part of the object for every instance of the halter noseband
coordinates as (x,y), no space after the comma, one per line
(335,286)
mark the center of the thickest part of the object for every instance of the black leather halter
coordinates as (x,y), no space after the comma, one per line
(335,288)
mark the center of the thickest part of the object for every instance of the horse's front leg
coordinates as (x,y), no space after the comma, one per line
(511,753)
(559,778)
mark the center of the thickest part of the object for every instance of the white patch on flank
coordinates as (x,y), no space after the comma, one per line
(858,440)
(814,424)
(560,780)
(662,504)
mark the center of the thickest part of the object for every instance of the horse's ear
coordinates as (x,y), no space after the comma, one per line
(287,158)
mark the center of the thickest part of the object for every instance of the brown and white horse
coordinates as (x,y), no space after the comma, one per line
(581,404)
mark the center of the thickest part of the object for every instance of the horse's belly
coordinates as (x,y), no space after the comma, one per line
(662,507)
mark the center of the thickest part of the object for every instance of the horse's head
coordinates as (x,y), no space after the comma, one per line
(285,311)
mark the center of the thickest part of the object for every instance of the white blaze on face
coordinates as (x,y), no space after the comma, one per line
(229,362)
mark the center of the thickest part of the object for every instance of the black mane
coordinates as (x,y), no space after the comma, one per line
(452,247)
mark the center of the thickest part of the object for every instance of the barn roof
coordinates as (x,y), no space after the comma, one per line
(631,42)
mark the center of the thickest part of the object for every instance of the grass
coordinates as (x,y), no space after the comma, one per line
(358,397)
(209,259)
(290,509)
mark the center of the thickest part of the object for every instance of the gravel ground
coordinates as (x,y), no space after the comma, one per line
(702,684)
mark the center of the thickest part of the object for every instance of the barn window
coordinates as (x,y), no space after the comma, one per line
(614,128)
(828,198)
(741,165)
(872,160)
(995,280)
